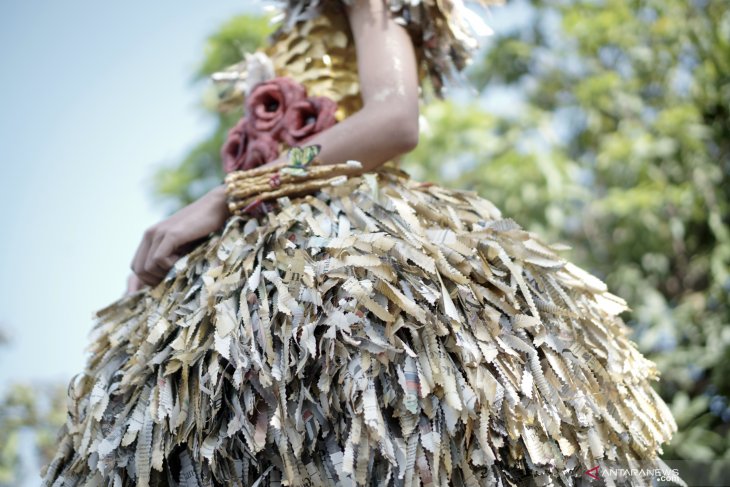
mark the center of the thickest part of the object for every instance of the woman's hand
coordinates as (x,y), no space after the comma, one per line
(133,284)
(165,242)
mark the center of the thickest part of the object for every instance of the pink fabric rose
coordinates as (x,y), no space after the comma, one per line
(277,111)
(269,101)
(261,150)
(307,118)
(235,147)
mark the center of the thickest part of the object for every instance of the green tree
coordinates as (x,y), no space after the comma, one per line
(39,409)
(619,146)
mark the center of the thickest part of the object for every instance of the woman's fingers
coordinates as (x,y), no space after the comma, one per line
(140,257)
(134,284)
(161,255)
(155,254)
(151,264)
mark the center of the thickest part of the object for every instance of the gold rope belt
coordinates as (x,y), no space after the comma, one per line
(247,189)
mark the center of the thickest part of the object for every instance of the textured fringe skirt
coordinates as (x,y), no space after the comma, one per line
(379,332)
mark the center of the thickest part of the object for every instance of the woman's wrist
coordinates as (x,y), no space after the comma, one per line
(218,192)
(220,198)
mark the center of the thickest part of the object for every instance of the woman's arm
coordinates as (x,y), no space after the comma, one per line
(387,125)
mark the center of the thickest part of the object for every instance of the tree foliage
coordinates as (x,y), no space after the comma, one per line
(619,144)
(38,409)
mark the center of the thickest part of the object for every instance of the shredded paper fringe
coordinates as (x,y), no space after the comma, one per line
(380,332)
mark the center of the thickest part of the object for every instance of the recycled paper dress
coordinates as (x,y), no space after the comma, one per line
(378,332)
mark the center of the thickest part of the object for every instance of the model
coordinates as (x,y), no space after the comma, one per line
(322,319)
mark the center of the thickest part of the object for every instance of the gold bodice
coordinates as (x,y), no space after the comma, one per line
(314,46)
(320,54)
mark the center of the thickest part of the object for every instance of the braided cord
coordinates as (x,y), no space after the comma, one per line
(245,189)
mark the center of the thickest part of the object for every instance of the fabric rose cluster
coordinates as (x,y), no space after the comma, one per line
(277,112)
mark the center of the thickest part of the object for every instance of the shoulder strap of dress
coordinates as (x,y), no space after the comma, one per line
(444,31)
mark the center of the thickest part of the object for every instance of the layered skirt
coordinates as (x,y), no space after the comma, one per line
(379,332)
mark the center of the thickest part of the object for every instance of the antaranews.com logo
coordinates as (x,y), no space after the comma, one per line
(627,474)
(663,473)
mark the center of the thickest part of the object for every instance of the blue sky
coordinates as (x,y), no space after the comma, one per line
(94,96)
